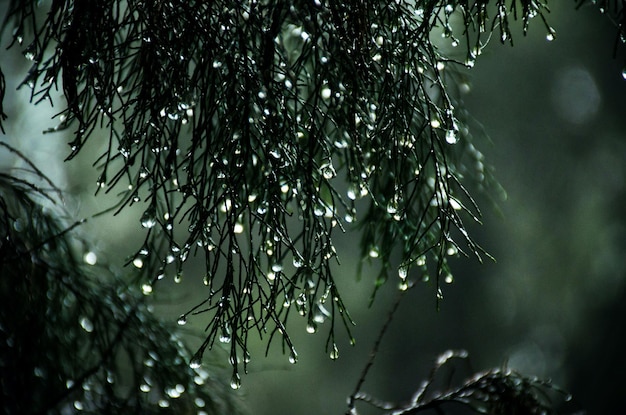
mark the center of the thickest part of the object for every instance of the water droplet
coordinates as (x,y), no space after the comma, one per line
(403,271)
(334,353)
(182,320)
(328,171)
(144,388)
(311,327)
(451,137)
(392,207)
(225,336)
(435,123)
(235,381)
(78,405)
(624,73)
(146,289)
(326,93)
(352,190)
(86,324)
(238,228)
(164,403)
(138,263)
(195,362)
(148,219)
(449,279)
(199,402)
(293,357)
(178,277)
(374,252)
(90,258)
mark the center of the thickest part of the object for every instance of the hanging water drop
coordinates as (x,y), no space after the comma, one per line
(293,357)
(146,289)
(374,252)
(328,171)
(311,327)
(90,258)
(235,381)
(86,324)
(297,262)
(195,362)
(403,271)
(182,320)
(334,353)
(451,137)
(148,219)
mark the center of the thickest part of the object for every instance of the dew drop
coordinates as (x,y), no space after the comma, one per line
(293,357)
(146,289)
(451,137)
(334,353)
(235,381)
(164,403)
(86,324)
(195,362)
(326,93)
(144,388)
(225,336)
(403,271)
(311,327)
(352,191)
(374,252)
(392,207)
(178,277)
(90,258)
(148,219)
(138,263)
(624,73)
(328,171)
(182,320)
(297,262)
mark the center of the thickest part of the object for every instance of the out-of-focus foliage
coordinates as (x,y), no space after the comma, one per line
(77,338)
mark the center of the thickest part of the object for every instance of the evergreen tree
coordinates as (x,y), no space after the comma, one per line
(250,133)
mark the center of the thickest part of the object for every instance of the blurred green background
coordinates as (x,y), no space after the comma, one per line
(554,303)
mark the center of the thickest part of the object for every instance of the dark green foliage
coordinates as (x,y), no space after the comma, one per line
(249,133)
(74,338)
